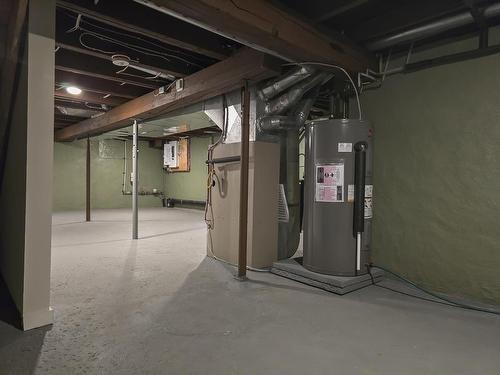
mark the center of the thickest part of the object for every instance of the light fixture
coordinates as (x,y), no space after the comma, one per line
(73,90)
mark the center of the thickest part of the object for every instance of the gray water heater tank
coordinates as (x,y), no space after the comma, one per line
(329,237)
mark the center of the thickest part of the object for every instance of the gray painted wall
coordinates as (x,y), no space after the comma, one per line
(437,177)
(106,174)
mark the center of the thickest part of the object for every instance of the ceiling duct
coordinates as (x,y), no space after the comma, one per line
(432,28)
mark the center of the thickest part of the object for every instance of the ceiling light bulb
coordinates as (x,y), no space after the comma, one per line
(73,90)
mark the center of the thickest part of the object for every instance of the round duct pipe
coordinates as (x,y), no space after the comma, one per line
(432,28)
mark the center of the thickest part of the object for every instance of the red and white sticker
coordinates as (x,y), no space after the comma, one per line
(330,182)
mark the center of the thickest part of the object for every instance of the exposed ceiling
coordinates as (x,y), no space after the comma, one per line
(96,40)
(365,21)
(90,35)
(192,123)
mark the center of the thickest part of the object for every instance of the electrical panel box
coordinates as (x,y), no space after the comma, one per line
(170,154)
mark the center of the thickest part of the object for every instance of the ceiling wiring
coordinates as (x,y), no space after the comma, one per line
(80,39)
(127,35)
(146,51)
(77,24)
(167,55)
(151,78)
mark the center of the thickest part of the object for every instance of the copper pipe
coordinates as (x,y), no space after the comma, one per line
(87,192)
(245,139)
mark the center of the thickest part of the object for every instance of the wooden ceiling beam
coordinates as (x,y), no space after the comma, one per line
(115,22)
(88,97)
(60,117)
(99,86)
(99,91)
(67,103)
(222,77)
(261,25)
(104,76)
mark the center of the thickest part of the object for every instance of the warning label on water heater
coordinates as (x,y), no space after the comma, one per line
(330,182)
(368,199)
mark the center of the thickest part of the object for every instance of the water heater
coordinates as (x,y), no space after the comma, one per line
(338,197)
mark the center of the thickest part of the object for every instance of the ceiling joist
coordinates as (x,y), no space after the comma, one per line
(89,98)
(97,85)
(181,41)
(222,77)
(263,26)
(106,77)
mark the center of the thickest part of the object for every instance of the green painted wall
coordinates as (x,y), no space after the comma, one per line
(437,177)
(106,174)
(190,185)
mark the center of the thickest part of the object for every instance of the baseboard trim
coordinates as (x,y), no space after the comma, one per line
(36,319)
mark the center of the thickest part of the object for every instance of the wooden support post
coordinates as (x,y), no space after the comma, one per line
(244,166)
(87,190)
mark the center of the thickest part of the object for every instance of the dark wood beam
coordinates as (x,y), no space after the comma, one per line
(89,97)
(102,56)
(182,40)
(104,76)
(58,117)
(59,125)
(261,25)
(217,79)
(67,103)
(97,85)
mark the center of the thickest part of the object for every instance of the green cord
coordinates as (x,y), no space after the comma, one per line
(448,300)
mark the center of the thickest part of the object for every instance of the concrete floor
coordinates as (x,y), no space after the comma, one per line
(159,306)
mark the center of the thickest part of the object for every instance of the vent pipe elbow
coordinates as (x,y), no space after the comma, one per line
(275,123)
(302,112)
(284,102)
(282,83)
(295,120)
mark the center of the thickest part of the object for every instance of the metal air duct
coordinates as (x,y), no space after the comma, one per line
(432,28)
(286,101)
(282,83)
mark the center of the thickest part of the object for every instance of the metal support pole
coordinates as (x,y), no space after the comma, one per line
(245,151)
(87,189)
(135,181)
